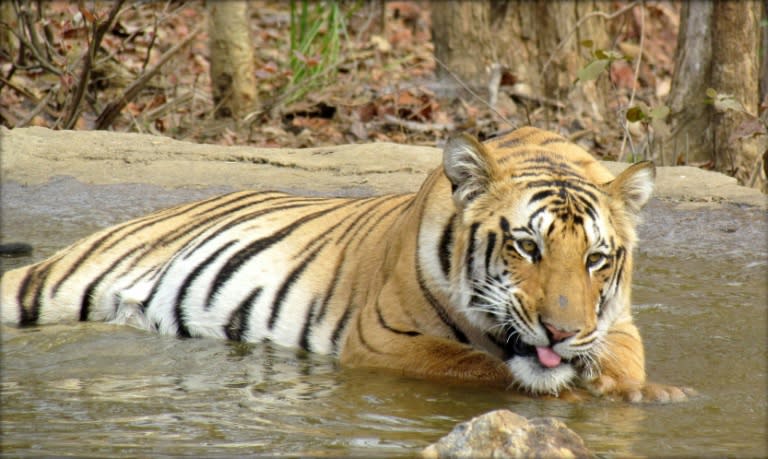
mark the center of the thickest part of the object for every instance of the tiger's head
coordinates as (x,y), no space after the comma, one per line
(543,255)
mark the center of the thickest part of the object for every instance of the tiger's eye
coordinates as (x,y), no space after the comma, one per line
(529,247)
(593,259)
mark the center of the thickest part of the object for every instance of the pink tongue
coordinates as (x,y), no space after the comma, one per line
(548,357)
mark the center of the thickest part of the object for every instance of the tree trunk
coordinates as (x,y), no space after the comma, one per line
(735,64)
(232,60)
(764,58)
(462,38)
(537,42)
(718,47)
(691,139)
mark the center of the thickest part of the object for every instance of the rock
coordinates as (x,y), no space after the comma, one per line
(33,155)
(504,434)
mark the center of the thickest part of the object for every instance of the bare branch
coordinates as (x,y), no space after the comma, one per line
(36,110)
(634,82)
(109,114)
(23,42)
(99,30)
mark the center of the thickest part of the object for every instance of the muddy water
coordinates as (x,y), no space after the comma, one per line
(98,390)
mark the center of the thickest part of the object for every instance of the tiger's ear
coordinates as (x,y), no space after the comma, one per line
(469,167)
(634,186)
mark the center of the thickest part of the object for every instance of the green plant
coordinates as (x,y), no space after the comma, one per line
(316,30)
(601,60)
(655,117)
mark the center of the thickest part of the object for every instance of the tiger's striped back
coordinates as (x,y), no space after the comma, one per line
(242,266)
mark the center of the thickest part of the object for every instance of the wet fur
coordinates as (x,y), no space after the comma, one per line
(433,284)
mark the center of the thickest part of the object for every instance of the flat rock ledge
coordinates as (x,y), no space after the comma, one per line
(504,434)
(34,155)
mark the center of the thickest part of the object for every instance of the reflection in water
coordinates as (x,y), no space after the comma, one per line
(101,390)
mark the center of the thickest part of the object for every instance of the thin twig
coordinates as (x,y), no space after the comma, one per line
(416,126)
(23,42)
(34,40)
(538,99)
(150,46)
(637,73)
(475,95)
(99,30)
(14,66)
(23,91)
(113,109)
(579,23)
(36,110)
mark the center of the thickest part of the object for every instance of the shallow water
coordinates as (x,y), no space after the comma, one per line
(99,390)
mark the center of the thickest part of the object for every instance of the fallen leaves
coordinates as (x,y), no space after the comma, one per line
(384,89)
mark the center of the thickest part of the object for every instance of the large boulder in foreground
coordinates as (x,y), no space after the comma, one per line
(504,434)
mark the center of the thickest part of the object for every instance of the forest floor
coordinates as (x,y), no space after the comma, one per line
(385,86)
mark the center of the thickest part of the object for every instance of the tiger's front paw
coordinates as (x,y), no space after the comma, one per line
(636,392)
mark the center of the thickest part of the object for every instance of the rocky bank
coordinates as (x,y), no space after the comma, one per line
(34,155)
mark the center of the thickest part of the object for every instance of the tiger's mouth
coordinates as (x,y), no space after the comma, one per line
(544,356)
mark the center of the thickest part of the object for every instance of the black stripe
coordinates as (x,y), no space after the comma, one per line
(238,320)
(210,222)
(86,253)
(379,219)
(254,248)
(575,184)
(526,318)
(437,307)
(555,139)
(538,196)
(445,246)
(504,225)
(518,139)
(39,275)
(321,238)
(489,249)
(616,278)
(552,163)
(390,328)
(27,316)
(512,143)
(533,216)
(88,294)
(360,214)
(332,289)
(237,221)
(178,211)
(133,227)
(306,329)
(288,283)
(469,256)
(181,295)
(341,325)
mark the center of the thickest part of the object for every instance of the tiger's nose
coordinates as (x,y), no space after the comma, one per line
(557,334)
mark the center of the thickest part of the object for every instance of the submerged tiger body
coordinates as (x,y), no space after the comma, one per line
(511,266)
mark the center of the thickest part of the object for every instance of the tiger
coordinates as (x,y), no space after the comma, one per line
(511,266)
